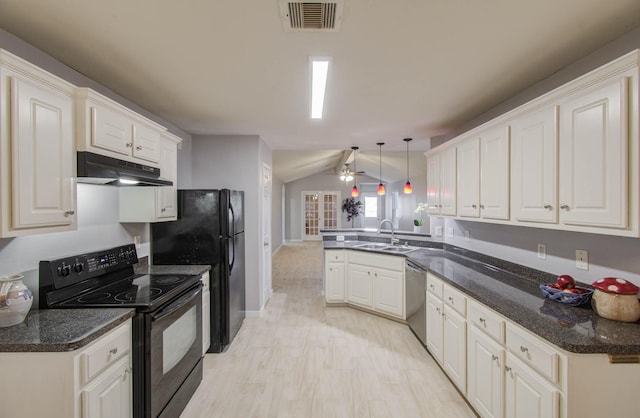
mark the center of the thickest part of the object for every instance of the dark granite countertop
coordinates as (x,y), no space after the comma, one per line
(49,330)
(515,294)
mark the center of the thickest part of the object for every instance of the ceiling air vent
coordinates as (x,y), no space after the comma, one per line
(319,16)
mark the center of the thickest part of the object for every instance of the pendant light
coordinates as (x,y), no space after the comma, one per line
(408,189)
(355,192)
(381,189)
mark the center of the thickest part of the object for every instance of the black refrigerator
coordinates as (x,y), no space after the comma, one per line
(209,230)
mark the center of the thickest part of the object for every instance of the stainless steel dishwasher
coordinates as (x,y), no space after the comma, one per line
(416,299)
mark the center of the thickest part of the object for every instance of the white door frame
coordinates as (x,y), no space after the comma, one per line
(321,221)
(266,233)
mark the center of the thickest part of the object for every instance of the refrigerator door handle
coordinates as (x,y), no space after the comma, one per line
(232,221)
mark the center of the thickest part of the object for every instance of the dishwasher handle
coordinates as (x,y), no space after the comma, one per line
(414,267)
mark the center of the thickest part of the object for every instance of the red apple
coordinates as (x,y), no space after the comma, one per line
(554,286)
(565,281)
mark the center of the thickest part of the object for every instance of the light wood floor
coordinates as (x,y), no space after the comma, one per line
(303,359)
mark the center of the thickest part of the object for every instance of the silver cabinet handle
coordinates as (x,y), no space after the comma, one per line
(438,310)
(507,368)
(330,268)
(481,206)
(451,300)
(565,207)
(70,213)
(444,315)
(139,148)
(474,206)
(129,144)
(113,351)
(547,207)
(494,357)
(523,349)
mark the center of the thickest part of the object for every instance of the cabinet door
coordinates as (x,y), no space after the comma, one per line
(494,173)
(527,394)
(468,183)
(534,162)
(111,130)
(455,347)
(485,374)
(448,182)
(594,157)
(109,394)
(146,143)
(167,196)
(433,184)
(434,326)
(360,285)
(388,286)
(334,282)
(43,188)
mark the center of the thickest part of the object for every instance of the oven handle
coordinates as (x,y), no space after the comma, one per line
(179,303)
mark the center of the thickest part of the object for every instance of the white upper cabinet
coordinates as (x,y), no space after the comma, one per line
(594,156)
(441,182)
(483,174)
(494,173)
(37,150)
(468,167)
(534,166)
(108,128)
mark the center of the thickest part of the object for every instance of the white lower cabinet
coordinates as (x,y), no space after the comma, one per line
(334,276)
(369,280)
(528,395)
(485,374)
(91,382)
(447,330)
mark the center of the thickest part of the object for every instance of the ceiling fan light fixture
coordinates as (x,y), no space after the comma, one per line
(408,189)
(381,189)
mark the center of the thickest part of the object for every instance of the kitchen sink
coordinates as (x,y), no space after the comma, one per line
(373,246)
(401,250)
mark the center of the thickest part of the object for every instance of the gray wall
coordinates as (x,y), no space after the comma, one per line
(330,182)
(98,228)
(608,255)
(277,214)
(235,162)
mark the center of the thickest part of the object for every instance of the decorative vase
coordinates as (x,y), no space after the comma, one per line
(15,300)
(417,228)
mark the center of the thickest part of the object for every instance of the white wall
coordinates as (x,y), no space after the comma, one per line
(98,228)
(235,162)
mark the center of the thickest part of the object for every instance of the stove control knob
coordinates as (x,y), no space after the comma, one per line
(78,267)
(65,271)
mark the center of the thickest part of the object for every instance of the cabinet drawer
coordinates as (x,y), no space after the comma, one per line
(105,351)
(533,352)
(389,262)
(455,300)
(434,285)
(485,320)
(333,256)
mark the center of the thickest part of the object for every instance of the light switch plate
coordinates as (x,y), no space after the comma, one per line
(466,236)
(450,232)
(582,259)
(438,231)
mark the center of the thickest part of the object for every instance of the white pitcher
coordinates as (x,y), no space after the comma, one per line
(15,300)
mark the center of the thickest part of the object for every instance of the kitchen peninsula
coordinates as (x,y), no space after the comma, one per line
(488,324)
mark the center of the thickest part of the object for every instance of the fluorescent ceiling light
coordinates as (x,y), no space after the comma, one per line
(319,71)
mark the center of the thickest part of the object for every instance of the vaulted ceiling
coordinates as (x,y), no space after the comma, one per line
(405,68)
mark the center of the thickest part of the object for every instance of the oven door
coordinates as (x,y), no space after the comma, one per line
(175,335)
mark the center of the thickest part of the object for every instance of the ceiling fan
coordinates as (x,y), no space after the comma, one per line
(347,174)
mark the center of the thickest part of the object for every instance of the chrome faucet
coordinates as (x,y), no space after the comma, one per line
(394,240)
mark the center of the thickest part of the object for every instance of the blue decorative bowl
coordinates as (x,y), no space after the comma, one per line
(573,299)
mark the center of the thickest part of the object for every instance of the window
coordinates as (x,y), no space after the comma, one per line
(371,206)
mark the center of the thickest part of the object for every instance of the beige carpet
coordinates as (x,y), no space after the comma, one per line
(303,359)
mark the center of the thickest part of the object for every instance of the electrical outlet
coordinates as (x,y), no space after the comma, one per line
(450,232)
(136,239)
(438,231)
(466,235)
(542,251)
(582,259)
(339,238)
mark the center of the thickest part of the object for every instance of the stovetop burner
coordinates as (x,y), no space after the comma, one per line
(134,295)
(169,279)
(94,297)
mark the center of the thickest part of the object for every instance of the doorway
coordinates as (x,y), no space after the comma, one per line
(320,210)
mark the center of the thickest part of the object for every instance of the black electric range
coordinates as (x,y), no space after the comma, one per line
(166,329)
